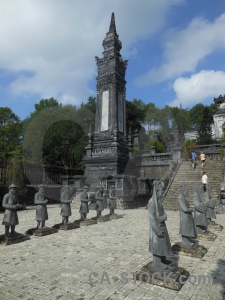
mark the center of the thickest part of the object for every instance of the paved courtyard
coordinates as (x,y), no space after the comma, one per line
(58,266)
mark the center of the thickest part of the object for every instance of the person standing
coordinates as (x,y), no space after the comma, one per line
(193,160)
(204,181)
(202,158)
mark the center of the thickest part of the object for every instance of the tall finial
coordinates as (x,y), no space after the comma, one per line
(112,27)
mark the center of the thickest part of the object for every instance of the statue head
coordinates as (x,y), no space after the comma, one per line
(183,189)
(158,189)
(65,188)
(41,188)
(100,188)
(13,188)
(85,188)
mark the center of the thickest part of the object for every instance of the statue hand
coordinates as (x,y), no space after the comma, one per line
(160,233)
(190,209)
(162,218)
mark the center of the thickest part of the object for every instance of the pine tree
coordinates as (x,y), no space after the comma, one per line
(204,128)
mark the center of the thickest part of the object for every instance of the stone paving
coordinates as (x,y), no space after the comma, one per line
(58,266)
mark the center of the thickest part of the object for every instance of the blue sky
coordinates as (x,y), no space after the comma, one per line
(175,48)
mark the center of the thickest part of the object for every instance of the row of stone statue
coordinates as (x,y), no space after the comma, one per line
(96,201)
(190,227)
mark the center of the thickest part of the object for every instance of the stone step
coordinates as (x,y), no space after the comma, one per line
(191,178)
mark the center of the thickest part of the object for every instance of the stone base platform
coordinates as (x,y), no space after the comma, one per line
(215,227)
(115,217)
(41,232)
(86,222)
(207,236)
(138,201)
(220,209)
(197,251)
(102,219)
(67,226)
(176,279)
(13,239)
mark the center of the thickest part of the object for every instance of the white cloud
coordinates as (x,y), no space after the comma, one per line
(198,88)
(56,41)
(185,49)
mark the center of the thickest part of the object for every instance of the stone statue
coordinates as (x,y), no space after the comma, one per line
(210,212)
(112,200)
(159,241)
(10,204)
(41,210)
(99,201)
(84,203)
(187,225)
(221,199)
(65,204)
(200,211)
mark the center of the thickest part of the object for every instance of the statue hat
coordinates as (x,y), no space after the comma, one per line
(85,187)
(13,186)
(154,199)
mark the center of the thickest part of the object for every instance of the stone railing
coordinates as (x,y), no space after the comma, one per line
(213,151)
(156,159)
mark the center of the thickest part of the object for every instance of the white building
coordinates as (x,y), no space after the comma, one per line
(219,117)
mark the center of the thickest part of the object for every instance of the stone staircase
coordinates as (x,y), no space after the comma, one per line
(185,174)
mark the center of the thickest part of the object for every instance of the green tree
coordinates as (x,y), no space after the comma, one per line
(90,105)
(57,134)
(135,115)
(159,146)
(204,129)
(10,132)
(64,144)
(196,115)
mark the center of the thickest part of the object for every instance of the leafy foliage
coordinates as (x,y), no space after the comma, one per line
(10,132)
(204,128)
(159,147)
(57,135)
(188,146)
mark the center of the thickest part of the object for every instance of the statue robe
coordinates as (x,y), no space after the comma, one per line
(187,226)
(210,212)
(41,209)
(99,201)
(160,246)
(65,204)
(200,211)
(84,203)
(112,199)
(10,217)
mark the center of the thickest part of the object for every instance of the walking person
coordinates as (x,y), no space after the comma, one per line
(193,159)
(202,158)
(204,181)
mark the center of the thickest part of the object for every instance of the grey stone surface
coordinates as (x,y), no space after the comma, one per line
(58,266)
